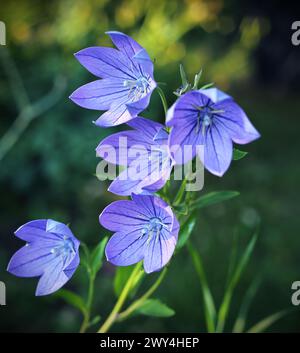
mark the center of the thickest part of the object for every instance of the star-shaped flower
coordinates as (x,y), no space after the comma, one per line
(145,229)
(208,118)
(127,80)
(145,148)
(51,253)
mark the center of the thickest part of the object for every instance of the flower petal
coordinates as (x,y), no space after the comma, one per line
(35,231)
(217,150)
(52,279)
(31,261)
(183,141)
(234,120)
(71,268)
(160,251)
(148,127)
(124,249)
(117,115)
(115,148)
(100,94)
(124,43)
(123,216)
(106,63)
(214,94)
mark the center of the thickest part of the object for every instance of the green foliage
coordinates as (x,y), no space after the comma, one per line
(238,154)
(96,259)
(208,301)
(265,323)
(154,307)
(72,299)
(212,198)
(225,305)
(186,231)
(121,277)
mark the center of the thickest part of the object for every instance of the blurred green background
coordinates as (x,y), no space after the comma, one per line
(48,171)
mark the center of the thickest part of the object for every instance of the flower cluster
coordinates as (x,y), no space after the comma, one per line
(146,228)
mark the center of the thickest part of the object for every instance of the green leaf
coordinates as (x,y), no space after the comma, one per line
(181,209)
(121,277)
(95,320)
(183,76)
(72,299)
(186,231)
(97,256)
(154,307)
(208,85)
(208,301)
(224,308)
(240,322)
(197,79)
(264,324)
(213,198)
(238,154)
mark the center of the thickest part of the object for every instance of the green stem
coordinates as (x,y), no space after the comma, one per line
(180,193)
(139,302)
(89,302)
(208,303)
(120,302)
(163,99)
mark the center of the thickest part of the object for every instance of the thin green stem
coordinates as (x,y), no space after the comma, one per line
(163,99)
(120,302)
(89,303)
(139,302)
(180,193)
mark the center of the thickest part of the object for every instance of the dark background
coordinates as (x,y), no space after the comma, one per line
(245,48)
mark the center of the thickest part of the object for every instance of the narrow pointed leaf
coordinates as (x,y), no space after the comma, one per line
(224,308)
(213,198)
(154,307)
(183,76)
(240,322)
(97,256)
(264,324)
(238,154)
(95,320)
(72,299)
(208,302)
(186,231)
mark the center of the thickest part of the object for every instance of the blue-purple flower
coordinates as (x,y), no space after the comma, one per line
(145,229)
(51,253)
(127,80)
(144,152)
(212,119)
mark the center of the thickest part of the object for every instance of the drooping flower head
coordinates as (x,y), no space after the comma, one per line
(51,253)
(127,80)
(144,151)
(145,229)
(210,118)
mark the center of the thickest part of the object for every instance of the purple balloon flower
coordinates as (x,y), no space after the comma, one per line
(145,153)
(51,252)
(127,80)
(210,118)
(146,229)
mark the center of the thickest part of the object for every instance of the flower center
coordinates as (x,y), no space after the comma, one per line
(65,248)
(138,87)
(153,228)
